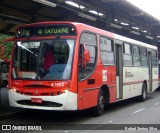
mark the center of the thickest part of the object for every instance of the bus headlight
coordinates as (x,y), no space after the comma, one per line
(65,91)
(14,89)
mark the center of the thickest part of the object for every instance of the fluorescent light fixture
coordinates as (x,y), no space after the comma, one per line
(149,37)
(81,7)
(134,32)
(116,26)
(122,23)
(87,16)
(94,12)
(101,14)
(46,2)
(74,4)
(158,36)
(144,31)
(136,28)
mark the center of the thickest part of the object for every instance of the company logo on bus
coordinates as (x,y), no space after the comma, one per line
(128,74)
(36,92)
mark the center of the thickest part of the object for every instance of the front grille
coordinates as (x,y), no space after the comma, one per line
(44,103)
(40,94)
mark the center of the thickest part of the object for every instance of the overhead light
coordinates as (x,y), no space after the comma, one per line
(74,4)
(87,16)
(81,7)
(46,2)
(115,20)
(136,28)
(116,26)
(158,36)
(149,37)
(122,23)
(134,32)
(94,12)
(100,14)
(144,31)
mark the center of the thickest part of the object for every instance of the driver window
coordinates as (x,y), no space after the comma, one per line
(90,42)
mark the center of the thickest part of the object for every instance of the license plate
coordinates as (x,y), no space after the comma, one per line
(36,100)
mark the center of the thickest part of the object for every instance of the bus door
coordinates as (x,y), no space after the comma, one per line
(119,69)
(150,70)
(87,90)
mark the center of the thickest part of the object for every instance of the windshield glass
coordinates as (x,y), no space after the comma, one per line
(43,60)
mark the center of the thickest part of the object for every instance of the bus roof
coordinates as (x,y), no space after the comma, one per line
(132,41)
(119,37)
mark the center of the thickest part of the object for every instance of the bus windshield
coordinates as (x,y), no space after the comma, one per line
(43,60)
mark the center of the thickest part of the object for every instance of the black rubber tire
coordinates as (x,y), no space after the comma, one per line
(142,97)
(99,109)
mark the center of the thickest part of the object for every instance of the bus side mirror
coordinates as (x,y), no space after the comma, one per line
(86,55)
(6,49)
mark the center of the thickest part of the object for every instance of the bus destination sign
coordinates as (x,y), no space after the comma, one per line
(46,30)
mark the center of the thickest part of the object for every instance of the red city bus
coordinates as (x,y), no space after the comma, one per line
(73,66)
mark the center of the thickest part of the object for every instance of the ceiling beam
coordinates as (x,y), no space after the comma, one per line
(7,27)
(27,12)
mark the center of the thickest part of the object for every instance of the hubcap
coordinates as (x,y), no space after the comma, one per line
(101,102)
(144,94)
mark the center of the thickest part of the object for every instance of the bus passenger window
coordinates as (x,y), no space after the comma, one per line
(136,56)
(128,61)
(106,51)
(154,59)
(143,55)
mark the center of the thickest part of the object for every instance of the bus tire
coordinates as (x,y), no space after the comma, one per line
(99,109)
(142,97)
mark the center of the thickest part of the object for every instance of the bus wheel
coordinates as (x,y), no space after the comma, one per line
(99,109)
(142,97)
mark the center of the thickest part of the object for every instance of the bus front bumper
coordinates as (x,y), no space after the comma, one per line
(65,101)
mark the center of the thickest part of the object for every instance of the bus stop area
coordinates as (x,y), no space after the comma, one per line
(104,59)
